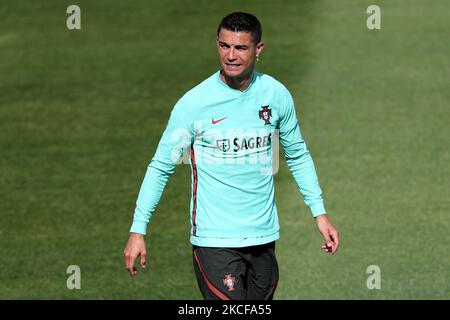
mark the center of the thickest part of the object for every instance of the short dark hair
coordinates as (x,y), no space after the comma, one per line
(242,22)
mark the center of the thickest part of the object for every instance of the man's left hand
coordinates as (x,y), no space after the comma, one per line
(329,233)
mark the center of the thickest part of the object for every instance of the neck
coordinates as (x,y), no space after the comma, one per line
(238,83)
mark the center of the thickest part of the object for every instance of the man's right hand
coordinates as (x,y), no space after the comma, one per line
(134,248)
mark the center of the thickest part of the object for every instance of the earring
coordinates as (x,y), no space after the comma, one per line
(257,58)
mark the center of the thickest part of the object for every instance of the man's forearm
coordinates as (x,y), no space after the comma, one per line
(302,168)
(149,195)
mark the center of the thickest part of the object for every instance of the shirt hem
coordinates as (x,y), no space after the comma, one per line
(233,242)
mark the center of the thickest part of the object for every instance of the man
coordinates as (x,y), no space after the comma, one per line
(228,123)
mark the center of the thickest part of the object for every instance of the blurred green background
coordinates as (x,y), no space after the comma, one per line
(81,113)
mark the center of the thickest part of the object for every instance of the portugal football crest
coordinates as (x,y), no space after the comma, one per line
(265,114)
(229,281)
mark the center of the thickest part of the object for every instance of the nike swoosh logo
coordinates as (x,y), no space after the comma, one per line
(217,121)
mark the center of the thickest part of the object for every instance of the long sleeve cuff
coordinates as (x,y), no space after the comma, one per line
(139,227)
(317,209)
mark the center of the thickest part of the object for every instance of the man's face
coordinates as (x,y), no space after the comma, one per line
(237,52)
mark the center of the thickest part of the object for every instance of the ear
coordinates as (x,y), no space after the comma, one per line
(259,48)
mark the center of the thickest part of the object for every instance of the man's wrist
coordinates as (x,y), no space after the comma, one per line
(321,216)
(136,235)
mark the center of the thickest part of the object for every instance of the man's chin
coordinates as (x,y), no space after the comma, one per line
(234,73)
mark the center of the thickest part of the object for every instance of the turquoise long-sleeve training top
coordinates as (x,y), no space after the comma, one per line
(228,138)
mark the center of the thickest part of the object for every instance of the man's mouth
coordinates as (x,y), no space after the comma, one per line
(233,65)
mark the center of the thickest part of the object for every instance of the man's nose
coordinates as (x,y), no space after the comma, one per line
(231,56)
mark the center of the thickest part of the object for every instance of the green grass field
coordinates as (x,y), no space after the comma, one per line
(81,113)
